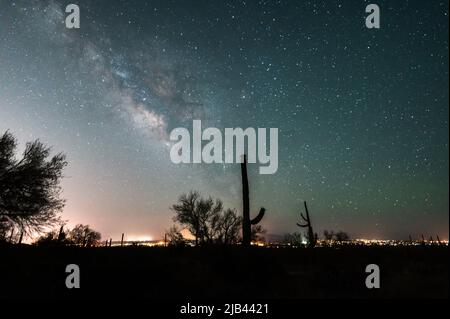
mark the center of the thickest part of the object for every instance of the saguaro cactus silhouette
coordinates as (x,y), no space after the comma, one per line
(61,234)
(312,239)
(246,221)
(21,237)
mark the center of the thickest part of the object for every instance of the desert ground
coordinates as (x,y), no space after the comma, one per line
(224,272)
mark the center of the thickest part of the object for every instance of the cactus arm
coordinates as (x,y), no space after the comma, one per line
(312,239)
(247,222)
(258,218)
(304,218)
(307,211)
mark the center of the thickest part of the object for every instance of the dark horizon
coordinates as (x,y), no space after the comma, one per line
(362,114)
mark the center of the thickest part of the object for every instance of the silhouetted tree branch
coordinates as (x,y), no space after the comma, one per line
(257,232)
(206,219)
(84,236)
(29,187)
(341,236)
(328,235)
(54,238)
(174,237)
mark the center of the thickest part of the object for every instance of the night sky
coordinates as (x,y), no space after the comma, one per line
(362,113)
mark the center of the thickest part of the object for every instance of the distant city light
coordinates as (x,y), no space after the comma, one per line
(148,242)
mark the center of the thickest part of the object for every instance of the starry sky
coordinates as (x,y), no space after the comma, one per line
(362,114)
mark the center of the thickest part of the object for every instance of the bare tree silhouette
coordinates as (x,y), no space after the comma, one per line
(174,237)
(187,213)
(84,236)
(206,219)
(258,233)
(342,236)
(54,238)
(227,227)
(328,235)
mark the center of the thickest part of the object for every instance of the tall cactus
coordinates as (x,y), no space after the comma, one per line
(246,221)
(312,238)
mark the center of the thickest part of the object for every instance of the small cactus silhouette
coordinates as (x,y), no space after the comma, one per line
(61,234)
(246,221)
(312,238)
(21,237)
